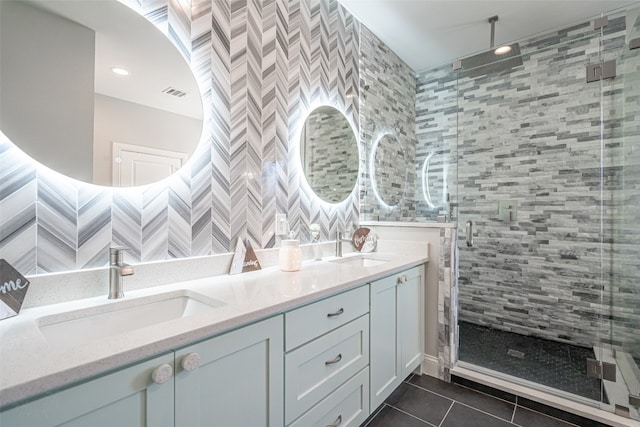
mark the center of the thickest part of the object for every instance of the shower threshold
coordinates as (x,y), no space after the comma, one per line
(554,398)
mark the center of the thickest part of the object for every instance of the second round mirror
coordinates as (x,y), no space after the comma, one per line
(329,154)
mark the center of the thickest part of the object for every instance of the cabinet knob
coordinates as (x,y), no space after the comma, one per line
(402,279)
(162,374)
(190,362)
(337,422)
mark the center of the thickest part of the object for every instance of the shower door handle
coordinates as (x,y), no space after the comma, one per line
(468,226)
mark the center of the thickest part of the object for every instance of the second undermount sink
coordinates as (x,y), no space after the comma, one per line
(90,324)
(361,260)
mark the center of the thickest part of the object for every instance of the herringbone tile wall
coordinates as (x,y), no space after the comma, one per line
(262,65)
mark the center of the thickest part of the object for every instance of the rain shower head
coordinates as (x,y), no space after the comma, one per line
(503,58)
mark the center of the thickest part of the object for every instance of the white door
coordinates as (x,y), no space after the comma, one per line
(138,165)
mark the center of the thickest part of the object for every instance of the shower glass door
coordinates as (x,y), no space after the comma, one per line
(530,186)
(625,274)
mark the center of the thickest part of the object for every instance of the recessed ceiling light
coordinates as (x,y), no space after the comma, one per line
(502,50)
(120,71)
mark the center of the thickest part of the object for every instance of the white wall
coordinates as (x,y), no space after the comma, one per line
(125,122)
(47,77)
(420,232)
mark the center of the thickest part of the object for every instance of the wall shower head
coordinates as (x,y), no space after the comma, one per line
(503,58)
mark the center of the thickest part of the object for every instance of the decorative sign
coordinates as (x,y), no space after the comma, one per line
(13,289)
(364,240)
(244,258)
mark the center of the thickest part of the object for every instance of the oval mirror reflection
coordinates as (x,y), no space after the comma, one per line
(95,91)
(390,170)
(329,154)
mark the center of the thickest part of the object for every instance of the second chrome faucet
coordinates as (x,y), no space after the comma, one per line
(117,269)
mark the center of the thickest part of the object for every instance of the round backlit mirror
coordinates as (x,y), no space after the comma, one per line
(95,91)
(389,170)
(329,154)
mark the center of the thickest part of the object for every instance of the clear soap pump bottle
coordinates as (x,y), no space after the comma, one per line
(290,255)
(315,239)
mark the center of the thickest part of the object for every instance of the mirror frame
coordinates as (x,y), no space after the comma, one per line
(206,128)
(298,151)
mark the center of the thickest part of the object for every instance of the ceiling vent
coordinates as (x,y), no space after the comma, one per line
(174,92)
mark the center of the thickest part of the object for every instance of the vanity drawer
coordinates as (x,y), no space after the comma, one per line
(311,321)
(316,369)
(347,406)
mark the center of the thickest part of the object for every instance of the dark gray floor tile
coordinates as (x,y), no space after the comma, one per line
(509,397)
(390,417)
(420,403)
(461,415)
(558,413)
(467,396)
(528,418)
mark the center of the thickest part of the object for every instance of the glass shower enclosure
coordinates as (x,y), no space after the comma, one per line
(547,201)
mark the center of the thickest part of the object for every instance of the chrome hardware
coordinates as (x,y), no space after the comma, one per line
(468,228)
(162,374)
(337,422)
(601,370)
(339,240)
(402,279)
(334,361)
(117,269)
(191,362)
(601,71)
(336,313)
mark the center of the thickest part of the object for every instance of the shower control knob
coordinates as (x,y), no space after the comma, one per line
(162,374)
(191,361)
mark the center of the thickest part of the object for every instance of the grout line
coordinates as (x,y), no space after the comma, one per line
(515,406)
(469,406)
(445,415)
(375,414)
(411,415)
(550,416)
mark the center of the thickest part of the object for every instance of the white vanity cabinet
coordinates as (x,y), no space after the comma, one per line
(128,397)
(235,379)
(396,331)
(326,364)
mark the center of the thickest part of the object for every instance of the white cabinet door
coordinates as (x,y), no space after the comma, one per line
(410,324)
(238,380)
(396,331)
(128,397)
(384,362)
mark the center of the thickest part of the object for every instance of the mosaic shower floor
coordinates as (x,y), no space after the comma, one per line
(558,365)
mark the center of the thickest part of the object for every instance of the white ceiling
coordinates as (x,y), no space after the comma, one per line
(429,33)
(126,39)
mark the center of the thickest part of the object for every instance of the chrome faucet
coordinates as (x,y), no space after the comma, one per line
(117,269)
(339,240)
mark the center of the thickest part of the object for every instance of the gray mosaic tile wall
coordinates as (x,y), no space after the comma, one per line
(261,67)
(531,137)
(387,107)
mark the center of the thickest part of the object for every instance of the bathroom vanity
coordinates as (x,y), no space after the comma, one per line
(322,346)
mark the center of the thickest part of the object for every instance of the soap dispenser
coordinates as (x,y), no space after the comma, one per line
(290,255)
(315,238)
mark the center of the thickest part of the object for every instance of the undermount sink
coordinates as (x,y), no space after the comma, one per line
(360,261)
(90,324)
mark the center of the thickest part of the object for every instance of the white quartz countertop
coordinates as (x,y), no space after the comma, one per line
(30,365)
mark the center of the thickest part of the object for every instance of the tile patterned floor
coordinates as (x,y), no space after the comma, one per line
(554,364)
(426,401)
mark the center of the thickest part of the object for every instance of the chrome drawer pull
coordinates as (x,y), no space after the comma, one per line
(337,422)
(337,313)
(333,361)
